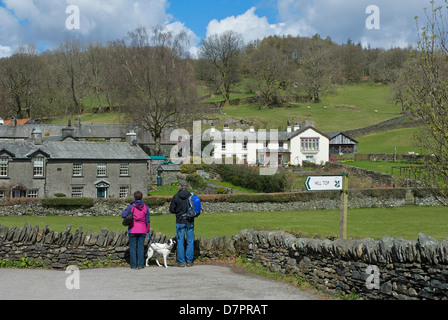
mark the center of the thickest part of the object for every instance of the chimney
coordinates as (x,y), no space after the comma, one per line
(131,138)
(252,128)
(226,128)
(14,122)
(68,131)
(212,128)
(296,126)
(1,121)
(36,135)
(288,127)
(78,122)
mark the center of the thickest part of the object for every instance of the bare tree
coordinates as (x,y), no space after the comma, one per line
(220,57)
(74,63)
(20,78)
(156,80)
(316,68)
(426,76)
(267,66)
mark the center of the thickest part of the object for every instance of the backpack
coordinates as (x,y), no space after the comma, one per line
(194,207)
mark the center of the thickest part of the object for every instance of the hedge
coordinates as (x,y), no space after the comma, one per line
(67,202)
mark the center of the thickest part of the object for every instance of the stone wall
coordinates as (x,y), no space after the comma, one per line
(391,124)
(386,269)
(389,268)
(358,198)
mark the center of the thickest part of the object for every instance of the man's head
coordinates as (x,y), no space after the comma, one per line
(138,195)
(182,184)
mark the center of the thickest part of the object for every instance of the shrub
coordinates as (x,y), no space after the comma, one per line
(59,195)
(196,181)
(250,178)
(67,202)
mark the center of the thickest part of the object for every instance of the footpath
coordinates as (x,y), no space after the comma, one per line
(200,282)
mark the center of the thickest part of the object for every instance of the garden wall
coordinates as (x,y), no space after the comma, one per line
(389,268)
(386,269)
(358,198)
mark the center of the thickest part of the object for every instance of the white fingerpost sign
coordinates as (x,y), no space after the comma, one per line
(323,183)
(333,183)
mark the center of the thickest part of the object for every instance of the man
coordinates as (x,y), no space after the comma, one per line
(179,206)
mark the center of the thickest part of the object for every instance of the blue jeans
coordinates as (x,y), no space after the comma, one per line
(181,230)
(137,250)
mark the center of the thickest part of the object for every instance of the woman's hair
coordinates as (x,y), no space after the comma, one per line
(138,195)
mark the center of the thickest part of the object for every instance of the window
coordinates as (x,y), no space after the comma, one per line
(77,169)
(3,167)
(2,194)
(223,145)
(308,144)
(38,167)
(124,169)
(101,170)
(124,192)
(77,192)
(33,193)
(245,145)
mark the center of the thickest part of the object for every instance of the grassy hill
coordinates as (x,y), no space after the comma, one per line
(348,107)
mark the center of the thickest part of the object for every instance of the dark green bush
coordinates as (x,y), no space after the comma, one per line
(196,181)
(250,178)
(67,202)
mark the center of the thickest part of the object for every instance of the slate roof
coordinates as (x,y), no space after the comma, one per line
(74,150)
(84,132)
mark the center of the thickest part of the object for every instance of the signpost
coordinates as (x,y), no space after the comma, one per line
(331,183)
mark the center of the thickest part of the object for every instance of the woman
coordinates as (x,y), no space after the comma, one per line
(137,230)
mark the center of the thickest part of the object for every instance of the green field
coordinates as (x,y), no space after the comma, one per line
(386,142)
(350,107)
(388,167)
(405,222)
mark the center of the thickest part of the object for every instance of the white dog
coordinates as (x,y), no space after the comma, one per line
(161,249)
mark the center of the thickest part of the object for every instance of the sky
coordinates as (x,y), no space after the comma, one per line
(45,23)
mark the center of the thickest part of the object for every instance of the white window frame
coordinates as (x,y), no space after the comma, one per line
(4,167)
(38,167)
(33,193)
(123,192)
(101,170)
(77,169)
(77,192)
(124,170)
(309,144)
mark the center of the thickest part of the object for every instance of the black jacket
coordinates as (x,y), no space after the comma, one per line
(179,205)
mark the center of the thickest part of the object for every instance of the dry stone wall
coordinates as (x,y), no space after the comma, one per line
(389,268)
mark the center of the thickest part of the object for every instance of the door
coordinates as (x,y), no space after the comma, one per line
(102,189)
(101,192)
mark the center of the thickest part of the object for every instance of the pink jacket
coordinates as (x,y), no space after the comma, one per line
(141,222)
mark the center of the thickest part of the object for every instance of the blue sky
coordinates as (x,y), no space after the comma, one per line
(43,22)
(198,13)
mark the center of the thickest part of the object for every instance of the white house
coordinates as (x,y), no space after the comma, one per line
(293,146)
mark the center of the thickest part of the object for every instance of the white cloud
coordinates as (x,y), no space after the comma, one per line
(44,21)
(344,19)
(249,25)
(5,51)
(339,20)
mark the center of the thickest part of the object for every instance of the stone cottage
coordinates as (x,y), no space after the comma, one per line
(42,168)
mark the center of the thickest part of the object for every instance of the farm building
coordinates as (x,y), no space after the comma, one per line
(342,143)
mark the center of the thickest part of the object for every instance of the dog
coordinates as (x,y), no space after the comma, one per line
(161,249)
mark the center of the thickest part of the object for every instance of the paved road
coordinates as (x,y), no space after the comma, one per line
(206,282)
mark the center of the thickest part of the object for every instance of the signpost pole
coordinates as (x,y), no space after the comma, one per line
(344,204)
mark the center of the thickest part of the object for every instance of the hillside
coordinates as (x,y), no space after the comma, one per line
(348,107)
